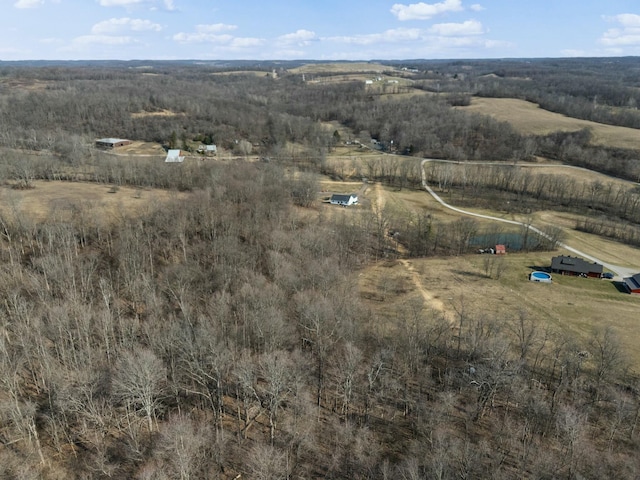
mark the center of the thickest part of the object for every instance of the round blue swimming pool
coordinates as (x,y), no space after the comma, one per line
(540,277)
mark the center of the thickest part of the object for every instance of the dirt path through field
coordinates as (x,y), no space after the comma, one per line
(380,198)
(429,299)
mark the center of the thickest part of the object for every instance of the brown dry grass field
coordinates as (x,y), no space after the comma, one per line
(353,67)
(255,73)
(441,286)
(160,113)
(57,200)
(529,118)
(574,305)
(139,148)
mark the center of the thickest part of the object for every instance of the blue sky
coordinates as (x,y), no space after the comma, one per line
(316,29)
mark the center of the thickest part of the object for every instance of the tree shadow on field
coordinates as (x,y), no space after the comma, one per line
(539,268)
(466,273)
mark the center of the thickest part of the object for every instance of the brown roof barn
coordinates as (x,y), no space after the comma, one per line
(567,265)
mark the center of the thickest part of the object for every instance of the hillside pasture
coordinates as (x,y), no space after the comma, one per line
(576,306)
(439,288)
(529,119)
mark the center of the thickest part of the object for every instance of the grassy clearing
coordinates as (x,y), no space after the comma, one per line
(140,148)
(59,199)
(528,118)
(577,306)
(255,73)
(160,113)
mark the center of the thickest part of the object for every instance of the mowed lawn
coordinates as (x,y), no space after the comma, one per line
(529,119)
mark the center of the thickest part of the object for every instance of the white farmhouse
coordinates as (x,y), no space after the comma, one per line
(344,200)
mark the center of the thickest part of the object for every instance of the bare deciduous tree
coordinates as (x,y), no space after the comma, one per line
(138,380)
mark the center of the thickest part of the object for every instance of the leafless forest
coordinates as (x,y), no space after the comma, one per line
(223,335)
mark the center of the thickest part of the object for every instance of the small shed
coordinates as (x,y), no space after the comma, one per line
(344,200)
(633,283)
(111,143)
(208,149)
(173,156)
(575,266)
(501,250)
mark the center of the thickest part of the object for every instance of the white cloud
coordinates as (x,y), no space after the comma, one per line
(389,36)
(425,11)
(299,37)
(627,35)
(115,25)
(119,3)
(213,34)
(215,28)
(207,34)
(28,3)
(429,46)
(630,20)
(470,27)
(476,7)
(245,42)
(151,4)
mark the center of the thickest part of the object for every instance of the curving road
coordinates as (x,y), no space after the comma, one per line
(618,270)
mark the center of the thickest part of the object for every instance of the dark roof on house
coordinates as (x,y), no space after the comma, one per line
(566,263)
(336,197)
(633,283)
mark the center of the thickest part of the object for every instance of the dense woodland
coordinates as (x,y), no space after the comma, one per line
(224,335)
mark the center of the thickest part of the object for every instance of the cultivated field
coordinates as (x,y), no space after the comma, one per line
(529,118)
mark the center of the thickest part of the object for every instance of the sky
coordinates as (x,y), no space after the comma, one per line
(316,29)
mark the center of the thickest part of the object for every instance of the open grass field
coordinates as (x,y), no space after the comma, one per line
(254,73)
(159,113)
(139,148)
(59,199)
(442,286)
(341,67)
(529,118)
(574,305)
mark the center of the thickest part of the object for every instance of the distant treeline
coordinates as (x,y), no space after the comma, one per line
(62,109)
